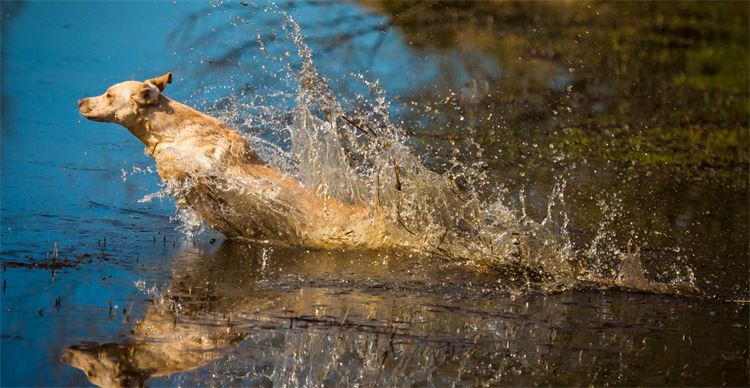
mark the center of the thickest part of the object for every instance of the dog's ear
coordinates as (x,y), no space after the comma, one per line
(146,94)
(161,82)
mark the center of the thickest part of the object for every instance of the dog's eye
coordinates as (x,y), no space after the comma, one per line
(109,95)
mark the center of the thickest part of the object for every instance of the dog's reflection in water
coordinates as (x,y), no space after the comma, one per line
(244,316)
(178,334)
(215,300)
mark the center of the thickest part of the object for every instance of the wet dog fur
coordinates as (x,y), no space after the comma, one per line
(222,177)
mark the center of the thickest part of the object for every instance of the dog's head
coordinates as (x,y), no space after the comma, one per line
(122,102)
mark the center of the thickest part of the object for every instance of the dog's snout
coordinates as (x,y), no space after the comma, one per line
(81,101)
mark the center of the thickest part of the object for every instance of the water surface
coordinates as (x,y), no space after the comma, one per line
(95,279)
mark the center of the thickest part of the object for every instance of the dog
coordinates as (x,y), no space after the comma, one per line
(214,171)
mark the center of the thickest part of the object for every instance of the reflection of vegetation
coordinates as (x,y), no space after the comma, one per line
(645,102)
(684,147)
(658,83)
(523,73)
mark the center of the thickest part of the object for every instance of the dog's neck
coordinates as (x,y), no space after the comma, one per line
(163,121)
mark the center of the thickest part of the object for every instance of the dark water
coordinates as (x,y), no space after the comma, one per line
(128,298)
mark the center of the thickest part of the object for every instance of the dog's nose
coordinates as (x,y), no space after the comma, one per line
(80,102)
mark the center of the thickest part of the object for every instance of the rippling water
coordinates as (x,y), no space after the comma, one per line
(530,270)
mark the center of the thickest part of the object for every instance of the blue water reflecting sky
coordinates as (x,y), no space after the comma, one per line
(61,175)
(62,180)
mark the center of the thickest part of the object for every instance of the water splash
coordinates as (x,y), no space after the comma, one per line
(349,150)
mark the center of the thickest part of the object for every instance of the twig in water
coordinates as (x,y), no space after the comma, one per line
(377,183)
(398,218)
(126,312)
(357,126)
(442,238)
(372,130)
(345,316)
